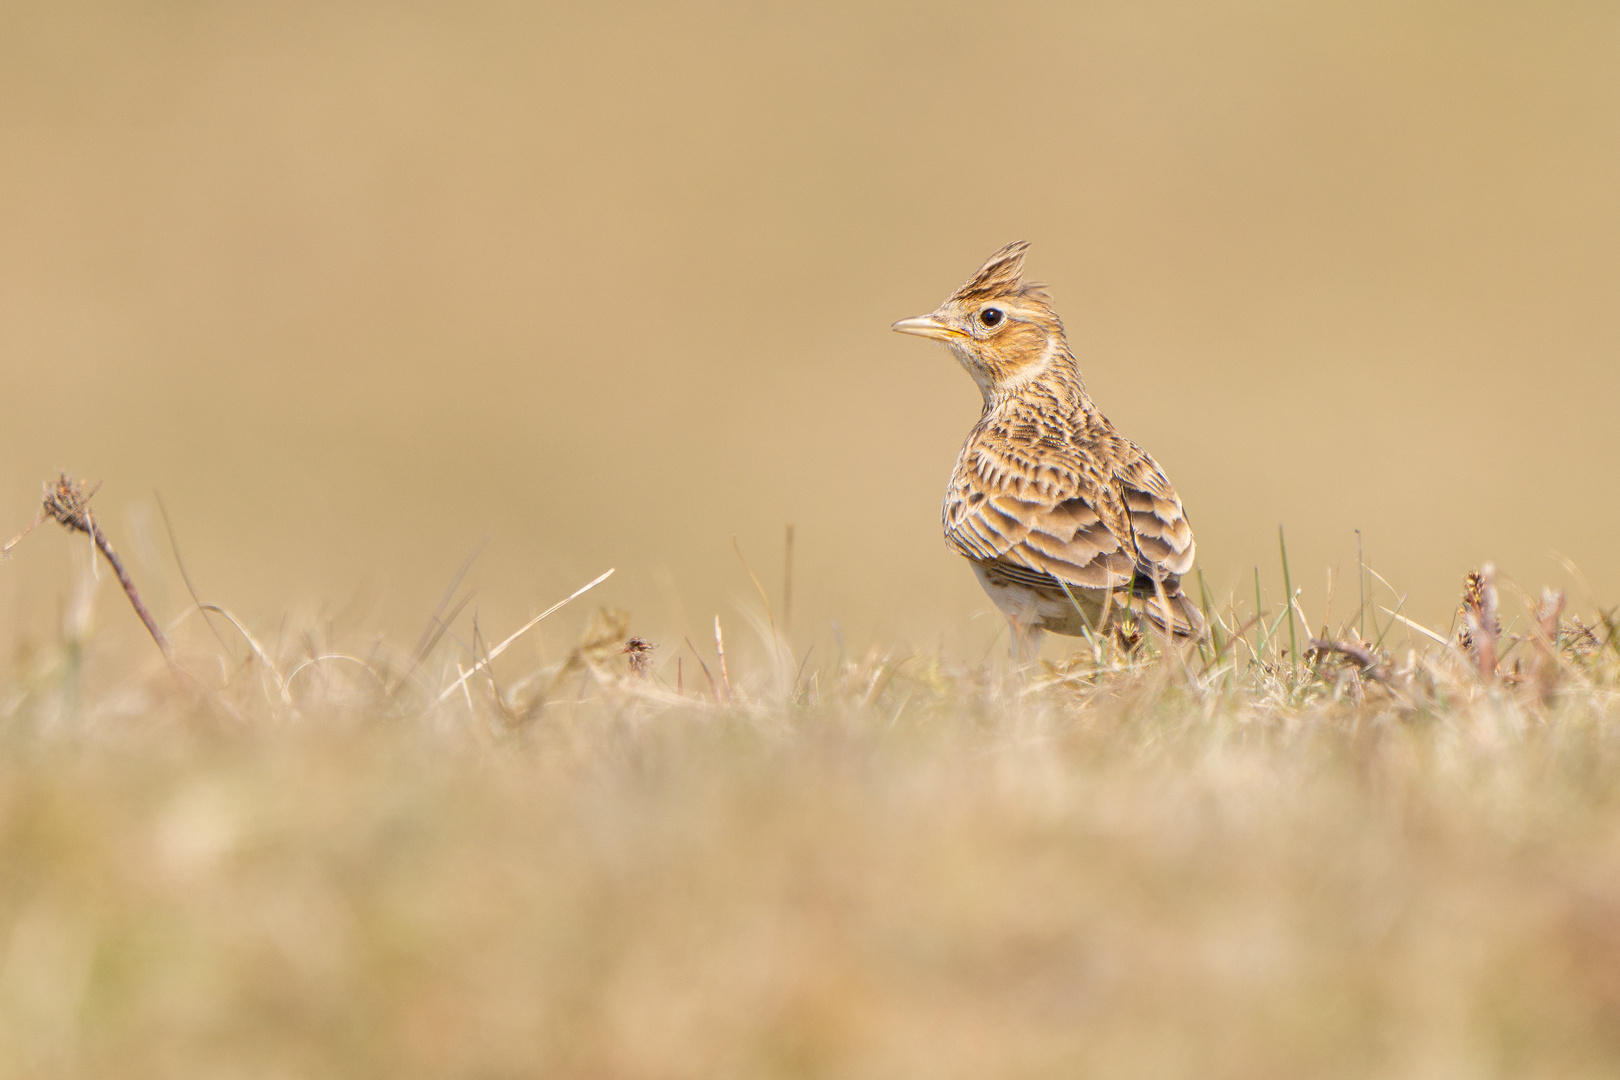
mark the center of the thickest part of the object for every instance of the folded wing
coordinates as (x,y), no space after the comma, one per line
(1106,521)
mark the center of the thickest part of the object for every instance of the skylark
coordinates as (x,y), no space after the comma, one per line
(1068,524)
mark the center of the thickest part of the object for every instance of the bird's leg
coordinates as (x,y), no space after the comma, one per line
(1026,641)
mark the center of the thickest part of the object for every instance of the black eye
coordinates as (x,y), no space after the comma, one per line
(990,316)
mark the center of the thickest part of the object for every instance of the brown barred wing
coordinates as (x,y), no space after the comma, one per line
(1160,534)
(1162,541)
(1037,538)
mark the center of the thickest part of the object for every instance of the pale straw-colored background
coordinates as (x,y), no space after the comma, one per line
(354,285)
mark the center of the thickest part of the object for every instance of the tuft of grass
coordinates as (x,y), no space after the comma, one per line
(331,861)
(1288,592)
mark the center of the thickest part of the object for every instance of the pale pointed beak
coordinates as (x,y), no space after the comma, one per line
(927,326)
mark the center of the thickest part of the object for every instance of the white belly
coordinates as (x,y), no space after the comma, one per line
(1041,611)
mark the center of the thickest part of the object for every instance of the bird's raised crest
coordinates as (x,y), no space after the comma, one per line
(1001,276)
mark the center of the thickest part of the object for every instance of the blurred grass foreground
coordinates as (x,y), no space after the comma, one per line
(299,857)
(354,284)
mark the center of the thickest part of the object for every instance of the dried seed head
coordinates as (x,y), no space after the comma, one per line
(640,653)
(1549,609)
(1479,597)
(1128,629)
(1578,638)
(67,501)
(1480,627)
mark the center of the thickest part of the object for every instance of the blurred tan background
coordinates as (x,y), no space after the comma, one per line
(354,285)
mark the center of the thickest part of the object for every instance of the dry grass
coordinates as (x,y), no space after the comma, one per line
(1119,866)
(356,283)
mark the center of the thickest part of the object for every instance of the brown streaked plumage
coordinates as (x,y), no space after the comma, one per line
(1063,518)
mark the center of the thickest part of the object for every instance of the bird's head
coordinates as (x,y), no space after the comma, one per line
(1000,327)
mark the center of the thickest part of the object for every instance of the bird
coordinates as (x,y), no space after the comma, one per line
(1069,526)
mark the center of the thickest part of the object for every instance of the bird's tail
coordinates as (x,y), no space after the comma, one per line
(1171,611)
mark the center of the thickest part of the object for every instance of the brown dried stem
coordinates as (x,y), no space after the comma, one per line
(68,503)
(1361,653)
